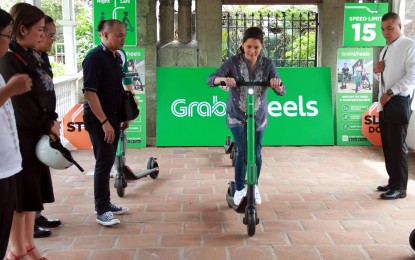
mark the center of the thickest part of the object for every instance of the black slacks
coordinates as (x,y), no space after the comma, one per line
(104,155)
(7,207)
(395,150)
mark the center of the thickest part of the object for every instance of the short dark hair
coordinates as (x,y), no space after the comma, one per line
(5,19)
(393,16)
(48,19)
(107,24)
(26,15)
(254,33)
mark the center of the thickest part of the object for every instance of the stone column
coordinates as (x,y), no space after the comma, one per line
(185,21)
(166,20)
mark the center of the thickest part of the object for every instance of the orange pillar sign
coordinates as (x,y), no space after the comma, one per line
(370,125)
(74,130)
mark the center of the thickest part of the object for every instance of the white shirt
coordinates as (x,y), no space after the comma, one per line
(399,73)
(10,158)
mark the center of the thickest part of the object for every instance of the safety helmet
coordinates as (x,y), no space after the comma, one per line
(48,152)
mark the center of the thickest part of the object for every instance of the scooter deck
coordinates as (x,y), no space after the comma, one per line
(229,198)
(129,174)
(238,208)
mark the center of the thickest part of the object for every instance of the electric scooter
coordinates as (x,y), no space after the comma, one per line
(231,149)
(124,173)
(247,205)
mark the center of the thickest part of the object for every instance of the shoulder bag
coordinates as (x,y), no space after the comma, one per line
(128,110)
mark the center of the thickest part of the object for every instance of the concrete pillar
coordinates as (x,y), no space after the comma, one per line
(331,16)
(185,21)
(166,20)
(209,32)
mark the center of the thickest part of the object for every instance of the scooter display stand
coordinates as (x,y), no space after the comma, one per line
(229,198)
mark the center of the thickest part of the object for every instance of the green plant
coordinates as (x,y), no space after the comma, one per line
(84,31)
(58,69)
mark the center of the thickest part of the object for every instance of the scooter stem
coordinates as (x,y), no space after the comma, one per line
(252,170)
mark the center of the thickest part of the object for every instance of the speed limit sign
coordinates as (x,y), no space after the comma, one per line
(362,24)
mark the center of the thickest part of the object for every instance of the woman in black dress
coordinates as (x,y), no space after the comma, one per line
(35,116)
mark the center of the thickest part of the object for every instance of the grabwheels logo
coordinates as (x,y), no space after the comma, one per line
(301,107)
(293,109)
(180,108)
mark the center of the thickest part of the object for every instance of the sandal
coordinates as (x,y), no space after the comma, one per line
(31,249)
(17,257)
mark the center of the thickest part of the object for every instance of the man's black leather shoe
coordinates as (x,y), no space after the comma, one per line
(383,188)
(47,222)
(393,194)
(41,232)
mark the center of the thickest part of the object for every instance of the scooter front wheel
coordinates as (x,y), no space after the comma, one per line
(251,220)
(234,154)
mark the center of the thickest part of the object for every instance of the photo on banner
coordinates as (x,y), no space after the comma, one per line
(354,93)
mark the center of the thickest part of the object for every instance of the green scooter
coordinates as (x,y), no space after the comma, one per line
(247,204)
(124,173)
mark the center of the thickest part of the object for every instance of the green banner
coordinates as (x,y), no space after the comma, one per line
(362,24)
(122,10)
(189,113)
(354,94)
(137,132)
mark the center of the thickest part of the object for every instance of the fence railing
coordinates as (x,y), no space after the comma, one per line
(67,90)
(289,40)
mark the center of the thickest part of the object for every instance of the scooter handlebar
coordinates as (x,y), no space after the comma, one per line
(130,74)
(254,83)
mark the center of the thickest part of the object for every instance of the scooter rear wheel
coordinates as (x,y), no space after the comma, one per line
(120,187)
(151,164)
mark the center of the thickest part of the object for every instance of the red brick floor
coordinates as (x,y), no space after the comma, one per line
(318,203)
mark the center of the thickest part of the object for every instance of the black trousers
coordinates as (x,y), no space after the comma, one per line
(104,155)
(7,207)
(395,151)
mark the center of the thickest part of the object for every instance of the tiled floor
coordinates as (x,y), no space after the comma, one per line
(318,203)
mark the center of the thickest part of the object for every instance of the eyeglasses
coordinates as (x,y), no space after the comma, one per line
(11,37)
(51,36)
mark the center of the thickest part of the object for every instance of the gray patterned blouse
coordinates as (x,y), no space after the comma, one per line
(238,67)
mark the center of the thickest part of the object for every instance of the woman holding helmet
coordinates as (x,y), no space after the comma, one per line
(35,116)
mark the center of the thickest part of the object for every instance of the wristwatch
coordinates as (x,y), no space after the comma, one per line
(390,92)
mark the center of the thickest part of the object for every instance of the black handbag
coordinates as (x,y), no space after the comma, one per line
(398,110)
(128,110)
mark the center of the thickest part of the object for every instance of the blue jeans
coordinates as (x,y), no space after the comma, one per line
(240,166)
(104,155)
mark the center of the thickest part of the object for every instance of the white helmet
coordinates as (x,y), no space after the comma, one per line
(49,154)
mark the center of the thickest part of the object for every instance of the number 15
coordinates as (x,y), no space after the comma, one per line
(369,34)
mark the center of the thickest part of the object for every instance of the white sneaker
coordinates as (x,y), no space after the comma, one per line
(257,196)
(238,196)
